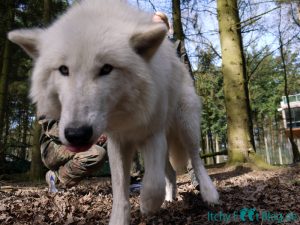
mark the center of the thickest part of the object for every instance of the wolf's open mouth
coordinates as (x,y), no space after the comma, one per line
(79,148)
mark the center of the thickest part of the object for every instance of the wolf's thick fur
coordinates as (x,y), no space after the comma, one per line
(146,102)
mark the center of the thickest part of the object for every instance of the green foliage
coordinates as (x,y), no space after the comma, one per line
(19,112)
(209,85)
(266,84)
(14,165)
(30,12)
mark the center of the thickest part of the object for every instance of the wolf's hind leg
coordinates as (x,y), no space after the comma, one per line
(188,122)
(207,188)
(171,187)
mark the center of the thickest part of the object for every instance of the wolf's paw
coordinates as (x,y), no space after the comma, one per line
(169,198)
(118,221)
(120,214)
(151,205)
(151,201)
(209,193)
(170,193)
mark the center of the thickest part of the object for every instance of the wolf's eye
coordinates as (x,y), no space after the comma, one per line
(64,70)
(106,69)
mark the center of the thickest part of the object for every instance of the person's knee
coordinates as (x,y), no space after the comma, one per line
(51,163)
(98,152)
(94,157)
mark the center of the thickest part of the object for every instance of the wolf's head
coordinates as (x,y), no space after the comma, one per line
(91,69)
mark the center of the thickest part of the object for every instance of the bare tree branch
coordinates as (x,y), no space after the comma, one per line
(295,18)
(271,53)
(152,5)
(253,19)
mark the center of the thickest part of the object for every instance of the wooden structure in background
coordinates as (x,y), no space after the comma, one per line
(295,111)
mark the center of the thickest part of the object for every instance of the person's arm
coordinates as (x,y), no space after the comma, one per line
(102,141)
(53,152)
(49,131)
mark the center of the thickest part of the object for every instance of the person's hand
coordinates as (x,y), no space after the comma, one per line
(102,139)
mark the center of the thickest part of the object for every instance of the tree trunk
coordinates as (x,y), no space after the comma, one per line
(177,25)
(4,79)
(47,10)
(179,35)
(203,147)
(249,110)
(266,138)
(3,95)
(37,167)
(217,148)
(211,145)
(298,10)
(239,138)
(24,134)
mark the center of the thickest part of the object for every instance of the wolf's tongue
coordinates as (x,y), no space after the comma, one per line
(78,148)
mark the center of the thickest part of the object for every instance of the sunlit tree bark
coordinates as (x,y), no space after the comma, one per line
(179,34)
(233,69)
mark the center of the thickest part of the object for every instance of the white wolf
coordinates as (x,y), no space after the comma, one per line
(105,67)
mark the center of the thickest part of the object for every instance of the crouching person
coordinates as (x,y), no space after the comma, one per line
(65,166)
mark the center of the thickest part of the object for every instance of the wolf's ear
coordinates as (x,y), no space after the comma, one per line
(28,39)
(146,42)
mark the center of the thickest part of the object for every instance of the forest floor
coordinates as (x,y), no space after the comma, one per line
(247,197)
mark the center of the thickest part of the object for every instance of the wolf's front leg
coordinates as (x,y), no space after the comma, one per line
(120,162)
(153,188)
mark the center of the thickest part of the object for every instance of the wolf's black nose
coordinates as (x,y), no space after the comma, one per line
(79,136)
